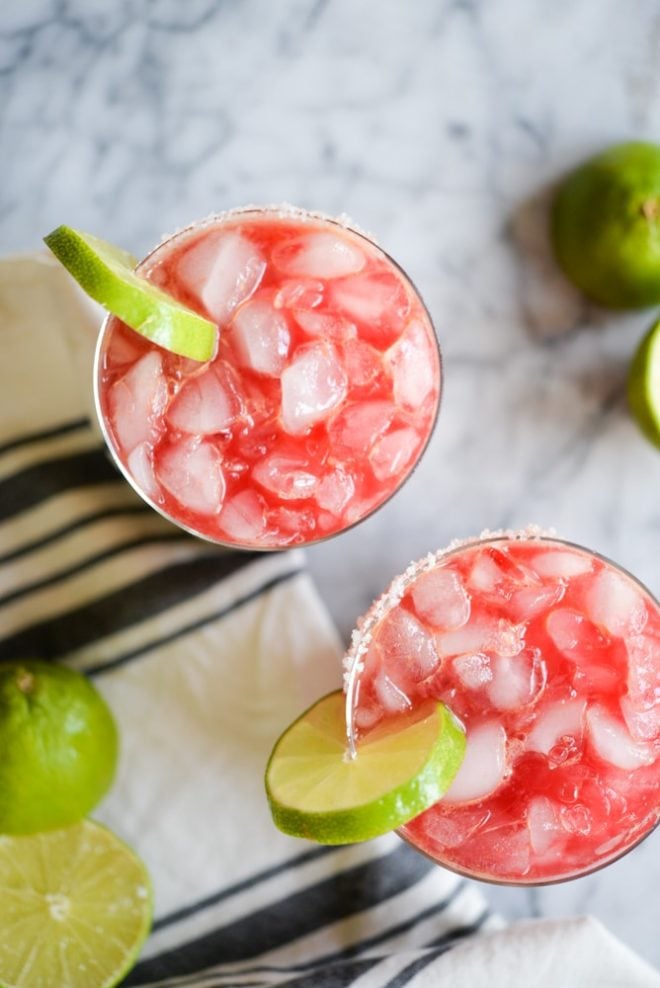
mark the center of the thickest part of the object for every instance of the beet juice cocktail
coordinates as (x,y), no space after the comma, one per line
(549,656)
(317,404)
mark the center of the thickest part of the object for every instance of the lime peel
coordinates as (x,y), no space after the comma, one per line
(644,385)
(107,274)
(400,769)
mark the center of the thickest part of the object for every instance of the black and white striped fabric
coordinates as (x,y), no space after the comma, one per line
(204,657)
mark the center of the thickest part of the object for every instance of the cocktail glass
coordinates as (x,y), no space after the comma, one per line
(549,655)
(318,404)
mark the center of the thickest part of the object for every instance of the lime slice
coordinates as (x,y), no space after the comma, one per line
(107,274)
(644,385)
(316,791)
(75,908)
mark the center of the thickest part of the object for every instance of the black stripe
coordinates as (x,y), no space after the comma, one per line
(120,660)
(155,593)
(74,526)
(331,976)
(351,891)
(37,483)
(37,437)
(261,876)
(100,557)
(440,947)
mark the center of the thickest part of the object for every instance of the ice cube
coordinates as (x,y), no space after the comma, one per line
(378,299)
(299,524)
(615,604)
(484,765)
(141,467)
(518,680)
(440,599)
(561,564)
(124,347)
(454,828)
(192,472)
(473,671)
(286,476)
(137,402)
(392,454)
(543,821)
(573,634)
(318,254)
(299,294)
(643,652)
(407,646)
(222,270)
(261,337)
(526,604)
(390,696)
(612,742)
(363,363)
(411,363)
(243,518)
(335,490)
(325,325)
(485,574)
(643,724)
(562,719)
(482,635)
(358,425)
(207,403)
(500,852)
(313,385)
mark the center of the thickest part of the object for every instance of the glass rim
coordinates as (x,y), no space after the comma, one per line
(285,211)
(383,605)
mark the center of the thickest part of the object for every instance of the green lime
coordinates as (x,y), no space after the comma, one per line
(107,274)
(606,226)
(58,745)
(644,384)
(75,908)
(316,791)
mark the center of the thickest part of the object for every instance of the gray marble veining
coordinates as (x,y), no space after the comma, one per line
(441,125)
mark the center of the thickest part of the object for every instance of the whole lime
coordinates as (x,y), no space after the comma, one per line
(58,747)
(606,226)
(644,384)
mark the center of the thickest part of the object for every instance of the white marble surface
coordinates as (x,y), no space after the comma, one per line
(440,125)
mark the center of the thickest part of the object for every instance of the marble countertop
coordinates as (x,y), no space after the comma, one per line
(441,125)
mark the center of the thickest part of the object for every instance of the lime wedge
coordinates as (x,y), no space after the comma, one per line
(75,908)
(316,791)
(107,275)
(644,384)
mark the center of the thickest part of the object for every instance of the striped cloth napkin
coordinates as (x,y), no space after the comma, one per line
(205,656)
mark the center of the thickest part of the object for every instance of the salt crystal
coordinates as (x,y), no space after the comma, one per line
(313,385)
(137,402)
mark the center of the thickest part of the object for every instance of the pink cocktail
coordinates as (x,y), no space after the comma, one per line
(318,403)
(549,655)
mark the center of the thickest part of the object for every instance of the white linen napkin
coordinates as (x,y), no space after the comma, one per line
(205,656)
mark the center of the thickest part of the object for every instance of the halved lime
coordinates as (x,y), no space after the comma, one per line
(316,791)
(107,274)
(644,384)
(75,908)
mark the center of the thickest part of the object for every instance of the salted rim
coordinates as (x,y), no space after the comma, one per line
(362,636)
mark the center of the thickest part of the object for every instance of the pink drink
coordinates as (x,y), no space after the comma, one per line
(318,403)
(550,657)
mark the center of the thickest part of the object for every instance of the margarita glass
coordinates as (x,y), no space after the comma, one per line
(320,398)
(549,655)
